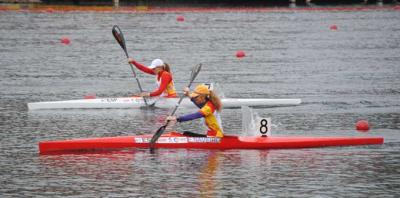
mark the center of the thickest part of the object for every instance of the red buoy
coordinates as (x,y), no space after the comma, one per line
(65,40)
(180,18)
(240,54)
(362,125)
(333,27)
(90,96)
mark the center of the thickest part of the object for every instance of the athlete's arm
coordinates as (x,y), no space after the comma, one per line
(142,67)
(165,79)
(190,117)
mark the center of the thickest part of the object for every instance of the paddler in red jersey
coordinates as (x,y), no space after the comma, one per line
(166,87)
(209,104)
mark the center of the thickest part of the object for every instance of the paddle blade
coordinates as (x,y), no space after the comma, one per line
(155,137)
(195,71)
(119,36)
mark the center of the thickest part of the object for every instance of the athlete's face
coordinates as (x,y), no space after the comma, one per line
(158,69)
(199,99)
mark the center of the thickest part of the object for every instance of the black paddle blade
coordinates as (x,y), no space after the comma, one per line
(195,71)
(155,137)
(119,36)
(151,106)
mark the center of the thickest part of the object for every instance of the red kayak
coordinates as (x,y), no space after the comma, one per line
(177,140)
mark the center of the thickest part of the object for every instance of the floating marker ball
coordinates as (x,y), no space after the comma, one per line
(90,96)
(180,18)
(65,40)
(333,27)
(240,54)
(362,125)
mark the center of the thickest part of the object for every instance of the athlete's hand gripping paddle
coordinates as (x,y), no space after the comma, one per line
(195,71)
(119,36)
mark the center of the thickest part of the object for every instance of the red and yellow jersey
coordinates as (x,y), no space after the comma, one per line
(166,87)
(211,120)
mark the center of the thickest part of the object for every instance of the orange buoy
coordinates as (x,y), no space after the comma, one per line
(65,40)
(180,18)
(240,54)
(362,125)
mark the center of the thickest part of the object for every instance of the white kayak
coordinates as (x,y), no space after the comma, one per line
(137,102)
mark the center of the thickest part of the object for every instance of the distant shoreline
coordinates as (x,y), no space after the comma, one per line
(165,6)
(149,9)
(207,3)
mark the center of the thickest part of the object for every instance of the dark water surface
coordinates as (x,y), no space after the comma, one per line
(341,76)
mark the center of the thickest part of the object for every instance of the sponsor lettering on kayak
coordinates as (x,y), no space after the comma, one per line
(180,140)
(125,100)
(109,100)
(205,139)
(135,100)
(172,140)
(164,140)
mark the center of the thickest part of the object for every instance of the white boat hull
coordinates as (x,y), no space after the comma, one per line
(137,102)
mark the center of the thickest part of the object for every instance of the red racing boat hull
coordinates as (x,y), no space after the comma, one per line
(176,140)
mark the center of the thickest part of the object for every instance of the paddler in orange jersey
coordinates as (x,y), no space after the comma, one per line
(210,105)
(166,87)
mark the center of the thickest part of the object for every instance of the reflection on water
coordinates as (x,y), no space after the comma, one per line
(216,173)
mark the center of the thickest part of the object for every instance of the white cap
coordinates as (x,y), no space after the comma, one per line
(155,63)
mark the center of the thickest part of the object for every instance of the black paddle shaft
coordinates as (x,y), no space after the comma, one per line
(119,36)
(160,131)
